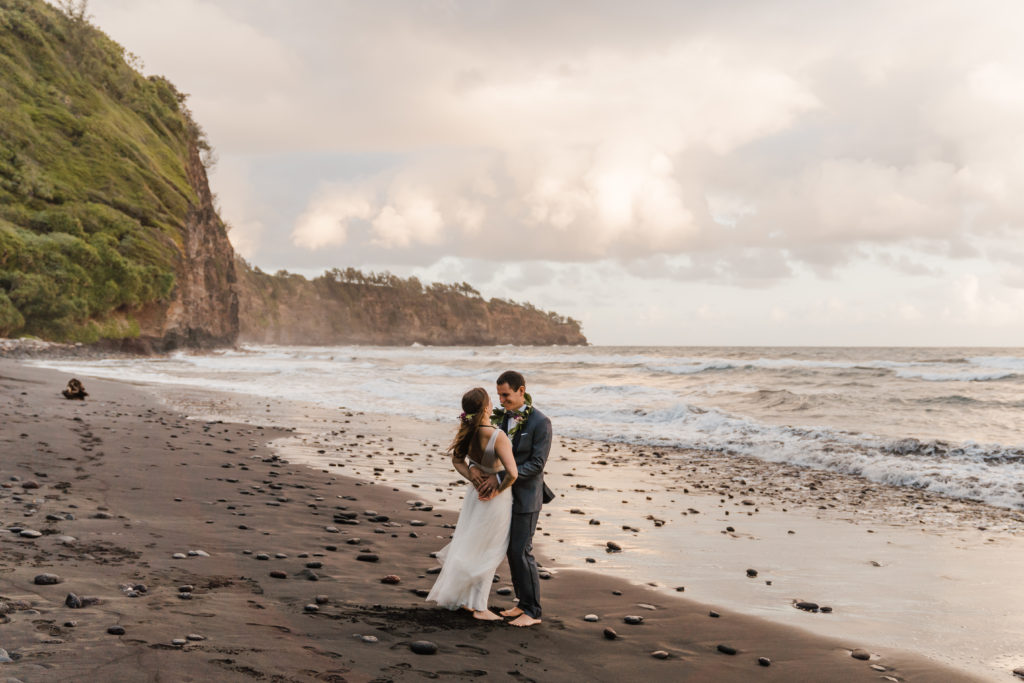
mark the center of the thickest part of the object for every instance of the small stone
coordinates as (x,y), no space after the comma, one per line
(861,654)
(186,588)
(423,647)
(616,592)
(46,579)
(659,654)
(195,637)
(879,667)
(680,589)
(713,614)
(322,599)
(590,560)
(179,556)
(179,642)
(644,605)
(185,595)
(613,547)
(544,575)
(311,608)
(116,630)
(806,606)
(764,661)
(1019,672)
(353,541)
(610,634)
(314,565)
(368,557)
(504,590)
(633,620)
(278,574)
(726,649)
(30,533)
(198,553)
(751,573)
(262,556)
(591,617)
(73,601)
(594,522)
(368,639)
(391,579)
(825,610)
(30,484)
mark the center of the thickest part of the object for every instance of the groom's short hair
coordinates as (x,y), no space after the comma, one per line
(513,379)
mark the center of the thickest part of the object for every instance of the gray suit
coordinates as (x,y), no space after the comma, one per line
(530,447)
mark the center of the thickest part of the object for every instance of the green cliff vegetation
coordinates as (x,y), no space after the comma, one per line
(93,182)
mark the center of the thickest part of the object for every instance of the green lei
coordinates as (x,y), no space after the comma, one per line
(499,415)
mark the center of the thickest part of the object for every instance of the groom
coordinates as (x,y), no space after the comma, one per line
(530,431)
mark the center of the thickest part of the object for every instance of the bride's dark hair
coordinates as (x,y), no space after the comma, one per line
(470,421)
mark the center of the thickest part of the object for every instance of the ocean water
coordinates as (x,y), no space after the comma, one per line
(942,419)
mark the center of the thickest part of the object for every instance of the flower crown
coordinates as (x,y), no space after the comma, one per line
(466,418)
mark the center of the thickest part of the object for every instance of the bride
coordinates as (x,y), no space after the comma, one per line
(482,532)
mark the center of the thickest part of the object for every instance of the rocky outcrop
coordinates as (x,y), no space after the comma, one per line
(350,308)
(203,310)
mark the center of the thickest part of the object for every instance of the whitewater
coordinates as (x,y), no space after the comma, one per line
(941,419)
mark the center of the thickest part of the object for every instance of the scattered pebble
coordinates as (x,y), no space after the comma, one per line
(368,639)
(391,579)
(613,547)
(423,647)
(659,654)
(368,557)
(727,649)
(764,661)
(713,614)
(806,606)
(311,608)
(179,642)
(30,533)
(610,634)
(278,574)
(751,573)
(504,590)
(116,630)
(46,579)
(861,654)
(179,556)
(591,617)
(633,619)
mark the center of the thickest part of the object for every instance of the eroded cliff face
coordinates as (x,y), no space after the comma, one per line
(289,309)
(203,309)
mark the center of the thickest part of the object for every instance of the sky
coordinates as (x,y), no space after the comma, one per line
(744,172)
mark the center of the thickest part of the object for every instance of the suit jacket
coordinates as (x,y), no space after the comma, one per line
(530,447)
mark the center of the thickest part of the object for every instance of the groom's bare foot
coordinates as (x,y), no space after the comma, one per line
(513,612)
(486,615)
(524,620)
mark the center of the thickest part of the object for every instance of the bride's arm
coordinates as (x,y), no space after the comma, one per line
(459,463)
(503,449)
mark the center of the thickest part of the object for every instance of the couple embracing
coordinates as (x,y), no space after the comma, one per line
(502,452)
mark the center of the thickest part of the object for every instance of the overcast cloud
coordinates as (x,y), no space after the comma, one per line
(736,172)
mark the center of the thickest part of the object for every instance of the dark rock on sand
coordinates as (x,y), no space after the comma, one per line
(613,547)
(727,649)
(420,592)
(368,557)
(659,654)
(423,647)
(806,606)
(610,634)
(825,610)
(391,579)
(713,614)
(116,630)
(764,661)
(633,619)
(46,579)
(278,574)
(751,573)
(504,591)
(861,654)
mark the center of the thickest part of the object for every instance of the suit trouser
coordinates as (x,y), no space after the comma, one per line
(521,563)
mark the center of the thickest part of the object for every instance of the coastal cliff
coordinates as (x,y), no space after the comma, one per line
(109,233)
(349,307)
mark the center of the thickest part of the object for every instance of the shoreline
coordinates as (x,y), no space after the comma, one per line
(681,627)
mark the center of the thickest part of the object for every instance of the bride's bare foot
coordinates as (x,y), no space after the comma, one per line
(513,612)
(524,620)
(486,615)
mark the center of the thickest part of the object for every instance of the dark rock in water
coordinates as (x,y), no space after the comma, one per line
(764,661)
(423,647)
(727,649)
(391,579)
(633,620)
(46,579)
(861,654)
(806,606)
(613,547)
(659,654)
(713,614)
(368,557)
(278,574)
(116,630)
(610,634)
(751,573)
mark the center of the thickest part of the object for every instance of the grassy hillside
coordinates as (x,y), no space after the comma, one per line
(93,181)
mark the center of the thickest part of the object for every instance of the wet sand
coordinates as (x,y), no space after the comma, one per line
(118,485)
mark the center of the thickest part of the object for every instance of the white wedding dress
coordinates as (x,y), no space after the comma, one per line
(477,546)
